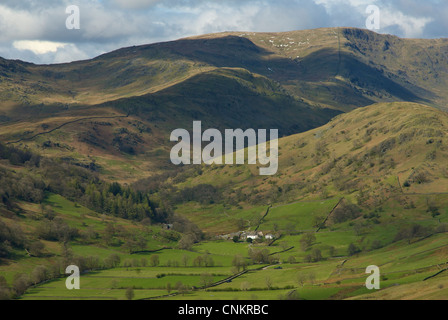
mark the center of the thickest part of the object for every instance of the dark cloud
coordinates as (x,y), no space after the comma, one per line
(109,24)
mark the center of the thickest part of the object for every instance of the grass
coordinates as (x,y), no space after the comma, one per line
(358,156)
(300,215)
(401,265)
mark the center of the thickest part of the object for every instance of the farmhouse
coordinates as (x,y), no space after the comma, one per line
(252,235)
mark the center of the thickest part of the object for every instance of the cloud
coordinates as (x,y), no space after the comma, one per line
(409,26)
(135,4)
(37,46)
(35,30)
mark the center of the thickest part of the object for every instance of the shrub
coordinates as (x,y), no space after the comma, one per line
(353,249)
(411,232)
(346,212)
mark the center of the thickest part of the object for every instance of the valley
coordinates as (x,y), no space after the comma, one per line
(362,174)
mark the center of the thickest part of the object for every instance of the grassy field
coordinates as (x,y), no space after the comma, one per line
(401,266)
(336,276)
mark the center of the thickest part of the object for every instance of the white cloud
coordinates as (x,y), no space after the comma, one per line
(411,27)
(38,47)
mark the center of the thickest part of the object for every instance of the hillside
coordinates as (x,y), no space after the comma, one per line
(370,155)
(362,65)
(118,109)
(349,214)
(86,177)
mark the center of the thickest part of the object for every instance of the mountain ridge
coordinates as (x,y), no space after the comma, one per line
(312,74)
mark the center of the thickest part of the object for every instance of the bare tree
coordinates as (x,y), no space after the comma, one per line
(268,281)
(307,241)
(154,260)
(130,294)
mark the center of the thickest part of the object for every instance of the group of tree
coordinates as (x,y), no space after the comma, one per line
(307,241)
(314,256)
(345,212)
(259,255)
(56,230)
(11,236)
(41,273)
(202,193)
(19,157)
(76,183)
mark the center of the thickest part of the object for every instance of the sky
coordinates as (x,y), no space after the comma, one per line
(46,31)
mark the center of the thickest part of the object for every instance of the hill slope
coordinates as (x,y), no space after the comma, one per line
(119,109)
(370,155)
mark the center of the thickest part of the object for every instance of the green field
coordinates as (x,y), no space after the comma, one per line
(335,276)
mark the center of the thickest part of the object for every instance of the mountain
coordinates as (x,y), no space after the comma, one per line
(362,177)
(371,155)
(118,109)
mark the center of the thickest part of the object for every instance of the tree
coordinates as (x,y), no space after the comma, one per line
(259,256)
(245,286)
(411,232)
(301,279)
(5,294)
(3,282)
(130,293)
(291,259)
(20,284)
(316,255)
(208,260)
(35,248)
(376,244)
(358,228)
(39,274)
(268,281)
(130,244)
(332,251)
(352,249)
(307,241)
(178,285)
(154,260)
(206,279)
(239,262)
(186,242)
(312,277)
(185,259)
(141,242)
(318,221)
(112,261)
(181,288)
(198,261)
(273,259)
(345,212)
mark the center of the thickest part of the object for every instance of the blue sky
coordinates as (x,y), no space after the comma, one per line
(35,31)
